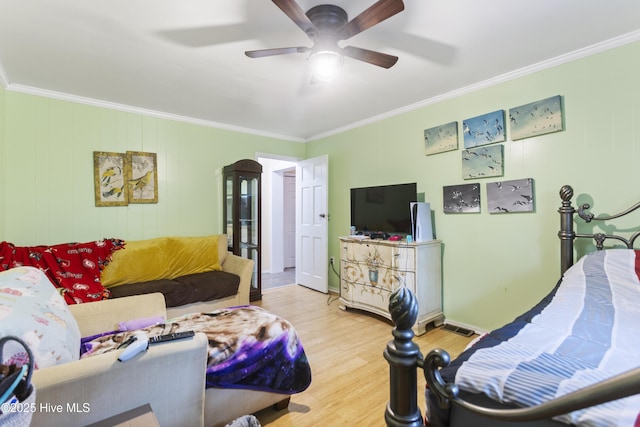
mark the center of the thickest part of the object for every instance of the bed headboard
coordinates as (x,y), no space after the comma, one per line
(567,234)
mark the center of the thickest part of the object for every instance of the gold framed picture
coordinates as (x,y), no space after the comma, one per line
(109,174)
(142,177)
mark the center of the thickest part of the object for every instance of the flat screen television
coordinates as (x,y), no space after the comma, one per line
(383,208)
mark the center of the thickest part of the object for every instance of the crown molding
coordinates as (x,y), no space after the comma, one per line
(525,71)
(531,69)
(29,90)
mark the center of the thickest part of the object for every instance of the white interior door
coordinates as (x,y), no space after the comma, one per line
(312,218)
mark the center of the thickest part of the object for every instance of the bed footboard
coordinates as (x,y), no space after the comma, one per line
(404,358)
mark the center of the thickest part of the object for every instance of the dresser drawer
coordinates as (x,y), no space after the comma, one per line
(372,254)
(404,258)
(372,296)
(369,254)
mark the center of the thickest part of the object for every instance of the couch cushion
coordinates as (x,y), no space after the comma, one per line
(187,289)
(32,309)
(161,258)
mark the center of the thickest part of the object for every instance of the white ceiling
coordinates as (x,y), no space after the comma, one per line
(185,58)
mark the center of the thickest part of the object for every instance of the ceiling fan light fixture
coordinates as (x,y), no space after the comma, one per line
(325,25)
(325,64)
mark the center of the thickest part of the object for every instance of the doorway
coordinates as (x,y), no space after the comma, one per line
(304,239)
(278,221)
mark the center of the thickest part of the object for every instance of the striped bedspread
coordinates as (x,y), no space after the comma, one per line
(589,331)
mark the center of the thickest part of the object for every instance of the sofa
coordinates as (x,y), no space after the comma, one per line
(195,274)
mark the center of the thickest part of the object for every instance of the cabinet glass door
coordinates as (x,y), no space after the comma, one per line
(248,218)
(228,203)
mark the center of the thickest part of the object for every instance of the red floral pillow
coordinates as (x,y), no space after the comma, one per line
(74,268)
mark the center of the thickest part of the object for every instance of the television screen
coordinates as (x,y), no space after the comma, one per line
(383,208)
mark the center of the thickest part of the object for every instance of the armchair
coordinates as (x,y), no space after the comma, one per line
(170,376)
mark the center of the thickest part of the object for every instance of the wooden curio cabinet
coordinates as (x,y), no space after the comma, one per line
(242,215)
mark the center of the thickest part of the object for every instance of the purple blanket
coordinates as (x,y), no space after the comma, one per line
(249,348)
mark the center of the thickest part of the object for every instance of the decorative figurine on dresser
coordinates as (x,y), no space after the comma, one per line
(372,269)
(242,215)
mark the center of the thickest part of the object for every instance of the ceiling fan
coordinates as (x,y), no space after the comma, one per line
(326,25)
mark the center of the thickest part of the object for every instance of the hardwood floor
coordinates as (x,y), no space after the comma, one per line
(350,377)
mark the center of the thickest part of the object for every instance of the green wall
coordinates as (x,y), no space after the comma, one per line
(48,194)
(496,266)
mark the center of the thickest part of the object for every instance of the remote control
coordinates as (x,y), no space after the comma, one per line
(171,337)
(138,346)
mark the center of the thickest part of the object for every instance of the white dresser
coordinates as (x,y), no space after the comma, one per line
(371,270)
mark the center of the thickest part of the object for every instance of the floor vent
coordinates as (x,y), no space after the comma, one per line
(458,330)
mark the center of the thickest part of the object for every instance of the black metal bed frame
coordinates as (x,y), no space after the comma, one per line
(567,235)
(404,356)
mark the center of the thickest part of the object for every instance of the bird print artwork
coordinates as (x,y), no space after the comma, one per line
(112,180)
(482,162)
(143,178)
(110,175)
(441,138)
(463,198)
(537,118)
(113,192)
(510,196)
(139,184)
(483,130)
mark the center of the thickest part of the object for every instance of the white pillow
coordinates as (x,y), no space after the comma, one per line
(32,309)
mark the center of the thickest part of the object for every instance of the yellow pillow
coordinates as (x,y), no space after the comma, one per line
(161,258)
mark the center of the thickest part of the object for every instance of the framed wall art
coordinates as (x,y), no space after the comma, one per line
(441,138)
(109,175)
(142,177)
(485,129)
(464,198)
(483,162)
(510,196)
(536,118)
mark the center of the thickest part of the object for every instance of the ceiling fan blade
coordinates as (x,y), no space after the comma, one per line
(372,57)
(378,12)
(297,15)
(277,51)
